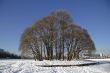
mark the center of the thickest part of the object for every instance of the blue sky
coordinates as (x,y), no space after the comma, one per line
(16,15)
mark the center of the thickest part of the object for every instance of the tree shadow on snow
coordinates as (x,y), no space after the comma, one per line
(103,62)
(86,64)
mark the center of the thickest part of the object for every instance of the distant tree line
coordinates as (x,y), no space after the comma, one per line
(6,55)
(55,36)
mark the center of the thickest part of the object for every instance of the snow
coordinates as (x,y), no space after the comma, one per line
(30,66)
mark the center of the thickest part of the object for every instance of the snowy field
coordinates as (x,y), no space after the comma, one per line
(31,66)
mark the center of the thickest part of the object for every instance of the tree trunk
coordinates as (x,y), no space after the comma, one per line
(44,53)
(41,51)
(68,53)
(60,49)
(56,49)
(63,48)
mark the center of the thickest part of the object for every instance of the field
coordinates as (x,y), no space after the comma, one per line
(31,66)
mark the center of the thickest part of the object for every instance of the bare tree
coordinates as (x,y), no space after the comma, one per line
(53,36)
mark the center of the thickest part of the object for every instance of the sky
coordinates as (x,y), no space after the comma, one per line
(16,15)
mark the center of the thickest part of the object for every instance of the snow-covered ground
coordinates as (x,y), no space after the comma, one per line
(31,66)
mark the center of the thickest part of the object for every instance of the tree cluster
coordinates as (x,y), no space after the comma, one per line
(55,36)
(7,55)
